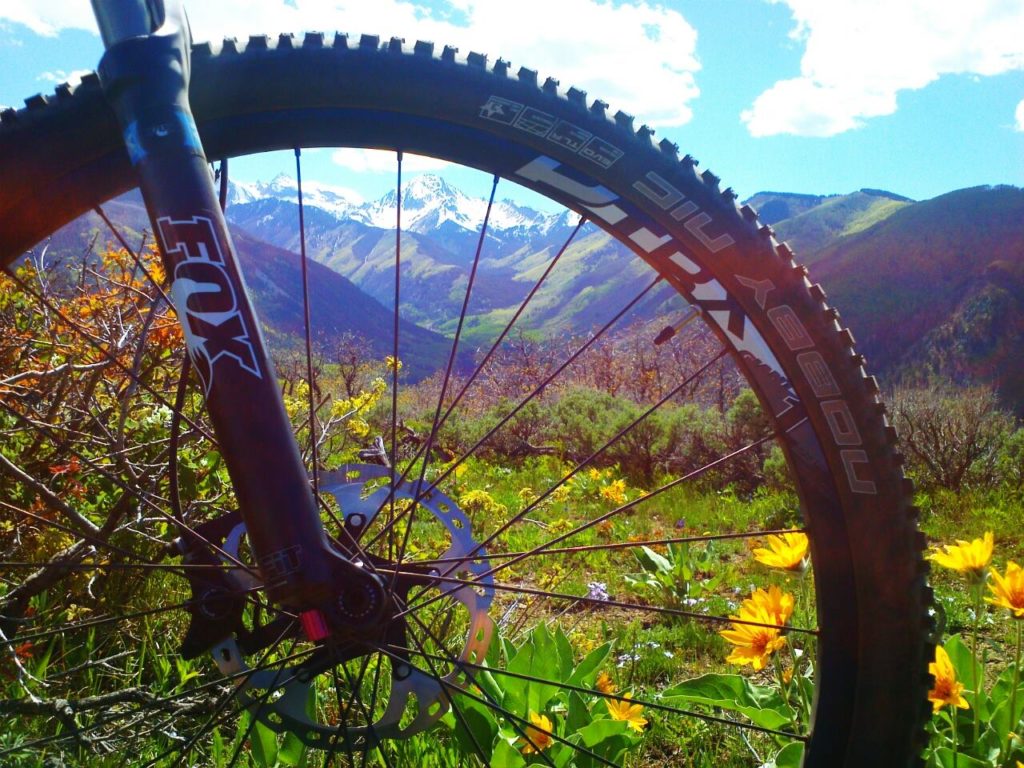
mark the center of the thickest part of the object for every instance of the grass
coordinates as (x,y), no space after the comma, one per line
(649,651)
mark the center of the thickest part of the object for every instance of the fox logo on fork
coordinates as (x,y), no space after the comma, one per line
(204,295)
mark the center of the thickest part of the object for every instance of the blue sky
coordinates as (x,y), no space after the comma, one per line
(918,97)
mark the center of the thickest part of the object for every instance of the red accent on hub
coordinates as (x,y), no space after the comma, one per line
(314,625)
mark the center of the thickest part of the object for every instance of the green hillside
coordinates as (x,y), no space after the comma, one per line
(937,286)
(815,222)
(273,276)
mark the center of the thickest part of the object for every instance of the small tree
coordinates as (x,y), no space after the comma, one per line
(952,438)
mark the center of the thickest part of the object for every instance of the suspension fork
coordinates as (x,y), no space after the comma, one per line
(145,76)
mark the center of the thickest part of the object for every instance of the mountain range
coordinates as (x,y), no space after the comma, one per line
(930,288)
(440,236)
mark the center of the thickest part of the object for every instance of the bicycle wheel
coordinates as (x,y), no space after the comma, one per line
(63,156)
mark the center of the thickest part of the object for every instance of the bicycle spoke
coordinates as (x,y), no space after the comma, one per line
(435,423)
(395,348)
(143,498)
(609,696)
(608,515)
(618,545)
(522,403)
(91,536)
(479,368)
(99,622)
(460,584)
(307,332)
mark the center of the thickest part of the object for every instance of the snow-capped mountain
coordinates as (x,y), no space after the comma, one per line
(338,201)
(441,231)
(429,203)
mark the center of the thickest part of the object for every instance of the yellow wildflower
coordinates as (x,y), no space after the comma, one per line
(538,734)
(480,501)
(561,492)
(615,492)
(604,683)
(947,690)
(967,557)
(392,363)
(622,709)
(777,603)
(1008,589)
(357,427)
(787,551)
(754,644)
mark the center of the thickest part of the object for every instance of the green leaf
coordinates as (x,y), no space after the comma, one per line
(586,672)
(600,730)
(475,728)
(944,757)
(763,705)
(562,755)
(966,667)
(1002,721)
(790,756)
(42,664)
(566,657)
(262,741)
(578,715)
(1003,687)
(218,750)
(292,751)
(652,561)
(536,658)
(506,756)
(492,691)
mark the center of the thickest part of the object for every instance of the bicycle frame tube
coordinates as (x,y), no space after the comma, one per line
(145,73)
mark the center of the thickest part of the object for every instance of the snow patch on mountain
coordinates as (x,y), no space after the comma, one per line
(428,203)
(340,202)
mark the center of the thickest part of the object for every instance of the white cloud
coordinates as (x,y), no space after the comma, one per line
(378,160)
(637,55)
(1019,117)
(60,76)
(859,54)
(48,17)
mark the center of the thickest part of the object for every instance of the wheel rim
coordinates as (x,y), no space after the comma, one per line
(815,486)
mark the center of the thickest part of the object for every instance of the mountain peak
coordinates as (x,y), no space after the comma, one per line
(428,202)
(885,193)
(338,201)
(429,183)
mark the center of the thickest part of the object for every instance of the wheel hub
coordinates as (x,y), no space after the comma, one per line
(368,617)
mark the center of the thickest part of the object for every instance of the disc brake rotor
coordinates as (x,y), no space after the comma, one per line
(281,697)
